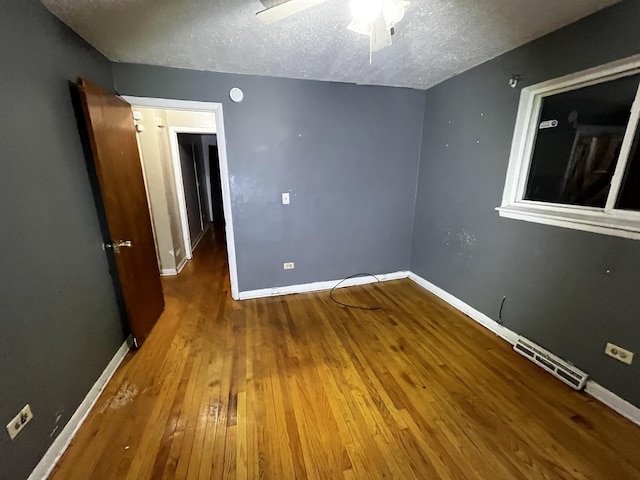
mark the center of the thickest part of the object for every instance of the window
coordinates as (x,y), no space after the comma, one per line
(575,155)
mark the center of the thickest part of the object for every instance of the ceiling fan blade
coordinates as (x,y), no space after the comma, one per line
(283,10)
(380,34)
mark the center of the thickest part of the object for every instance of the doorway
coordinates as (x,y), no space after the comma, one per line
(200,168)
(191,190)
(190,155)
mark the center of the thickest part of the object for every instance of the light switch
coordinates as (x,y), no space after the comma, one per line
(285,198)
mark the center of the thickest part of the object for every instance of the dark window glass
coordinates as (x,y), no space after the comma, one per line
(578,143)
(629,198)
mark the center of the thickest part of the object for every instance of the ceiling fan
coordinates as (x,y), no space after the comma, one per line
(373,18)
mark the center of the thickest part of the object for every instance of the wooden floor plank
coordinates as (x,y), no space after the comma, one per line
(298,387)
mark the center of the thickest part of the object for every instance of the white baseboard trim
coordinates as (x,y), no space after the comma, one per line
(613,401)
(168,272)
(181,265)
(200,236)
(476,315)
(317,286)
(62,441)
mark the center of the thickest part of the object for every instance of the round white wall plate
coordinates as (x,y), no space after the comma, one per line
(236,94)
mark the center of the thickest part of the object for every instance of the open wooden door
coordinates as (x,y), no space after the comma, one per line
(112,137)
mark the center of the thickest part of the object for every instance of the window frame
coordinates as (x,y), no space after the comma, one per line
(608,220)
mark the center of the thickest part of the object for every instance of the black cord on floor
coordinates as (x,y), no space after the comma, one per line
(360,307)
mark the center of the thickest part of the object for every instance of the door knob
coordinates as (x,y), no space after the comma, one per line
(116,246)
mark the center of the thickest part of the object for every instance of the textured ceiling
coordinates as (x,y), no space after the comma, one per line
(436,40)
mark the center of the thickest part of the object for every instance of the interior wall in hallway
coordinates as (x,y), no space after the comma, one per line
(160,173)
(192,169)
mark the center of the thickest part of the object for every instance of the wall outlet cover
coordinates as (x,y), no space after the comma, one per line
(17,423)
(289,265)
(614,351)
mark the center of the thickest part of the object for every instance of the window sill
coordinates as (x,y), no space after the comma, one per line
(601,223)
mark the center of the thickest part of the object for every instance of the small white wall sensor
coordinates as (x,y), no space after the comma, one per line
(236,94)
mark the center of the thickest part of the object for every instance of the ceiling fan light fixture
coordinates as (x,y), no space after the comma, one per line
(360,28)
(376,18)
(365,11)
(393,10)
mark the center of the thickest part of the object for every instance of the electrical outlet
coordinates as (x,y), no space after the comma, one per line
(15,426)
(625,356)
(289,265)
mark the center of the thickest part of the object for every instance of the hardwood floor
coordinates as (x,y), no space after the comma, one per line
(298,387)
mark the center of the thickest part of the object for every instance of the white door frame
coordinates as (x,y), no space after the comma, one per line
(177,175)
(216,109)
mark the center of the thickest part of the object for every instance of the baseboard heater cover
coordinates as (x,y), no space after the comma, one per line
(559,368)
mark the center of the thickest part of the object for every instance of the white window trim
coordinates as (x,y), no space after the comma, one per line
(607,220)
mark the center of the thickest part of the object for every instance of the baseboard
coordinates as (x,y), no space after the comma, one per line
(200,237)
(168,272)
(318,286)
(62,441)
(476,315)
(613,401)
(181,265)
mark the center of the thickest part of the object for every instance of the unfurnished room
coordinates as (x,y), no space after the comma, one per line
(320,239)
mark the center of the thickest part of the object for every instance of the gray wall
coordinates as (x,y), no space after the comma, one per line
(555,279)
(58,317)
(348,154)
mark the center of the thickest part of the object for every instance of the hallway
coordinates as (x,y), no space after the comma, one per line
(299,387)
